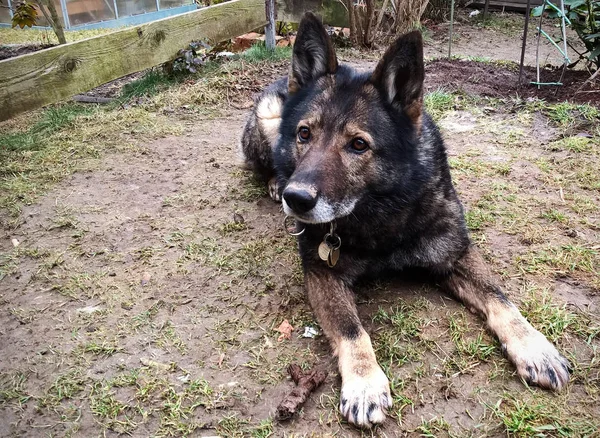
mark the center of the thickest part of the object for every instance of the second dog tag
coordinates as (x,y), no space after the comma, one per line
(334,256)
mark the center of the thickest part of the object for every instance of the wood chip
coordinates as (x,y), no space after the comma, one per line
(153,364)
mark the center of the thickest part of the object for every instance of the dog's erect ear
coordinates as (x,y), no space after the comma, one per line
(400,74)
(313,56)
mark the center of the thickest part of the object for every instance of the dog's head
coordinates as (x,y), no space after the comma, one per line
(347,136)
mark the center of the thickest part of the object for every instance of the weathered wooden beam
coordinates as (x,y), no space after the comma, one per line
(51,75)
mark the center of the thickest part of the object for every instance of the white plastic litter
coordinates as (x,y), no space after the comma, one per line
(310,332)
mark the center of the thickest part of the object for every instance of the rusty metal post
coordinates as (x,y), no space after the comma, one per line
(527,14)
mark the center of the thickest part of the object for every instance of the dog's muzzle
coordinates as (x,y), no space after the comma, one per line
(300,201)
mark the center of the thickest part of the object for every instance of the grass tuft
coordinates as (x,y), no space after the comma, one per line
(438,103)
(260,53)
(66,386)
(148,85)
(533,418)
(12,388)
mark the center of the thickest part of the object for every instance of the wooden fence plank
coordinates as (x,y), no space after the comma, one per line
(36,79)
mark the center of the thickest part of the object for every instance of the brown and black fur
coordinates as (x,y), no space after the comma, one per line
(393,205)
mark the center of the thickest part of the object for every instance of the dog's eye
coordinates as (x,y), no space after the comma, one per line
(303,134)
(359,145)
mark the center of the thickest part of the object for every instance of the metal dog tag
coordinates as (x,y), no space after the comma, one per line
(329,249)
(324,250)
(334,256)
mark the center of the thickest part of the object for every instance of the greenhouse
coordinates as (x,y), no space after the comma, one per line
(94,14)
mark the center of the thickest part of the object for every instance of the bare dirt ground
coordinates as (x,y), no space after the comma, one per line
(145,290)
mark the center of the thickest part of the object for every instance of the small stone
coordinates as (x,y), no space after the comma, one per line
(89,309)
(145,278)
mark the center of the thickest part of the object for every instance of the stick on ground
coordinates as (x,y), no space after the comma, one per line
(306,383)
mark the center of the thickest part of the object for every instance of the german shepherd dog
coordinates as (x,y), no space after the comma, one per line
(363,170)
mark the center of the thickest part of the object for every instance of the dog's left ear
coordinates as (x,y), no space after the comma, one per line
(400,73)
(314,55)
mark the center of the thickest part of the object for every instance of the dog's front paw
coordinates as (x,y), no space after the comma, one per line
(538,362)
(274,190)
(365,399)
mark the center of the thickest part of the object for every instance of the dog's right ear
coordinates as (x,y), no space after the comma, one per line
(400,74)
(313,55)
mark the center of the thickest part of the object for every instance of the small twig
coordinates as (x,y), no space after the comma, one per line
(588,80)
(91,99)
(306,383)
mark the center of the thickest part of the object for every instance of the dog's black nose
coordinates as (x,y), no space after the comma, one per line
(299,200)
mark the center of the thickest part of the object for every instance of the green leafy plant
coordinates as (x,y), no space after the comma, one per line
(584,18)
(25,13)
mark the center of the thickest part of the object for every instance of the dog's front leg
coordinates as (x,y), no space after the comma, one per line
(536,359)
(365,394)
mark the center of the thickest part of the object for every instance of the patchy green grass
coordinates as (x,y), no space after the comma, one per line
(61,141)
(150,84)
(534,418)
(66,386)
(12,389)
(472,166)
(545,314)
(251,189)
(560,260)
(573,144)
(260,53)
(566,114)
(51,121)
(439,102)
(507,24)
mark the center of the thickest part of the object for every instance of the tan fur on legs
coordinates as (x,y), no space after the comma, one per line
(365,394)
(536,359)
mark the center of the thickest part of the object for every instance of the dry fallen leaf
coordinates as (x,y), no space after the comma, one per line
(285,329)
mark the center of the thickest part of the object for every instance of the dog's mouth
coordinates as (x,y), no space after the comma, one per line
(307,205)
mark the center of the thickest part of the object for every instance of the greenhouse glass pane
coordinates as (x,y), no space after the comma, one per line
(90,11)
(41,21)
(4,16)
(167,4)
(135,7)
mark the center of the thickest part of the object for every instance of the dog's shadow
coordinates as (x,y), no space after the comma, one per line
(396,288)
